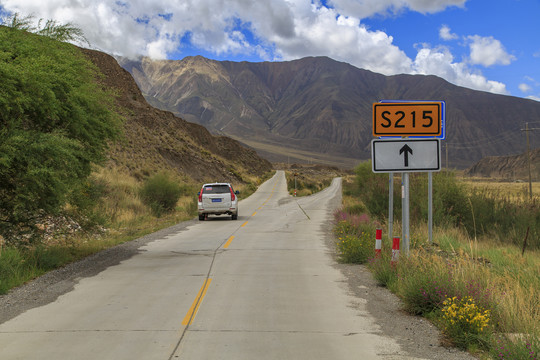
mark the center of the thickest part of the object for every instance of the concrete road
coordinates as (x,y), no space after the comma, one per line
(260,287)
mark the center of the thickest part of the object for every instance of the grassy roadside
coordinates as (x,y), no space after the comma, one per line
(479,290)
(117,215)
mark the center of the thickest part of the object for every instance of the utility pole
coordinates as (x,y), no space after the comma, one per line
(446,148)
(527,130)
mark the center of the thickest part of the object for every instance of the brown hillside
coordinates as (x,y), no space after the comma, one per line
(158,140)
(513,167)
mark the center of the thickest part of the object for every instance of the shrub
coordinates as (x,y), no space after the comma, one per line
(505,220)
(480,212)
(49,258)
(161,193)
(354,248)
(382,271)
(424,283)
(464,322)
(355,237)
(12,269)
(373,190)
(520,348)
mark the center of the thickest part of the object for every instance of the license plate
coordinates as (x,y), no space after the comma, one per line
(216,200)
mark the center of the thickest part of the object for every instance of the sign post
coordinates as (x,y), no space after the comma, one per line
(390,205)
(425,122)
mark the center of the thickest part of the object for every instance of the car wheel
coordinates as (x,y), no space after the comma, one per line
(234,217)
(201,217)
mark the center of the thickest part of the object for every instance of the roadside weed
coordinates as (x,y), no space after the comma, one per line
(465,322)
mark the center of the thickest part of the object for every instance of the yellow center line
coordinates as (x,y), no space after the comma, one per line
(244,224)
(254,213)
(228,242)
(188,319)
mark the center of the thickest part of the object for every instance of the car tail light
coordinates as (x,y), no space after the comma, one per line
(232,194)
(200,195)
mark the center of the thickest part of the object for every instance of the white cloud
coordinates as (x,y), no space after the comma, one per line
(524,88)
(488,51)
(366,8)
(439,61)
(323,31)
(277,29)
(446,34)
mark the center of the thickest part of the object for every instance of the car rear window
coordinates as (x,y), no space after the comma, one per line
(216,189)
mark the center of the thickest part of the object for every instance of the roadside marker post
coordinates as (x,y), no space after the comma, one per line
(378,242)
(395,251)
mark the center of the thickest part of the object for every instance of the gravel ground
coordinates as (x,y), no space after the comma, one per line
(418,338)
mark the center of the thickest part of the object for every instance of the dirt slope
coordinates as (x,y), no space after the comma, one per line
(514,167)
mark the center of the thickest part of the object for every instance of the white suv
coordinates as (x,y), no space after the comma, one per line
(218,199)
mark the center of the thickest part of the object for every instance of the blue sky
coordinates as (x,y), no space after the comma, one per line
(488,45)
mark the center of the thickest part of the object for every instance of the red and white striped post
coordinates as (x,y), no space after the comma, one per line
(378,242)
(395,251)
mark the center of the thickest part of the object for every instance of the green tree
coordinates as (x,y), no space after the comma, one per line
(55,122)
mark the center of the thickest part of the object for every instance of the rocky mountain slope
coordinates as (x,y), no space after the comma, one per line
(157,140)
(317,107)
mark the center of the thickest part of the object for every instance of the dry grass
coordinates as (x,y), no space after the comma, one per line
(121,204)
(515,191)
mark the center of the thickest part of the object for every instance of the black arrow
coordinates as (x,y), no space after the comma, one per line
(406,149)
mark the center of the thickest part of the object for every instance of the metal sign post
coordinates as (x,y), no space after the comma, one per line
(430,207)
(424,120)
(390,205)
(405,211)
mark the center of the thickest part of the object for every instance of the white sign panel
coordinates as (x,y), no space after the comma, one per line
(406,155)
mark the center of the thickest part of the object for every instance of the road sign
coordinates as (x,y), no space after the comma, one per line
(414,118)
(406,155)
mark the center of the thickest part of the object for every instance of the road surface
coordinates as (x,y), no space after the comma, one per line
(261,287)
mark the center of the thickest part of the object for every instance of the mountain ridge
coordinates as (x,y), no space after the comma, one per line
(323,107)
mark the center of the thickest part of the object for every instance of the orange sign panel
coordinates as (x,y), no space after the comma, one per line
(407,119)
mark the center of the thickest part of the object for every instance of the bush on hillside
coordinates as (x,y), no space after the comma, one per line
(161,193)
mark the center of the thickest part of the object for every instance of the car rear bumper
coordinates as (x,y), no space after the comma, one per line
(214,211)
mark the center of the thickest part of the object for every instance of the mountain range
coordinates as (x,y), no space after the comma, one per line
(318,109)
